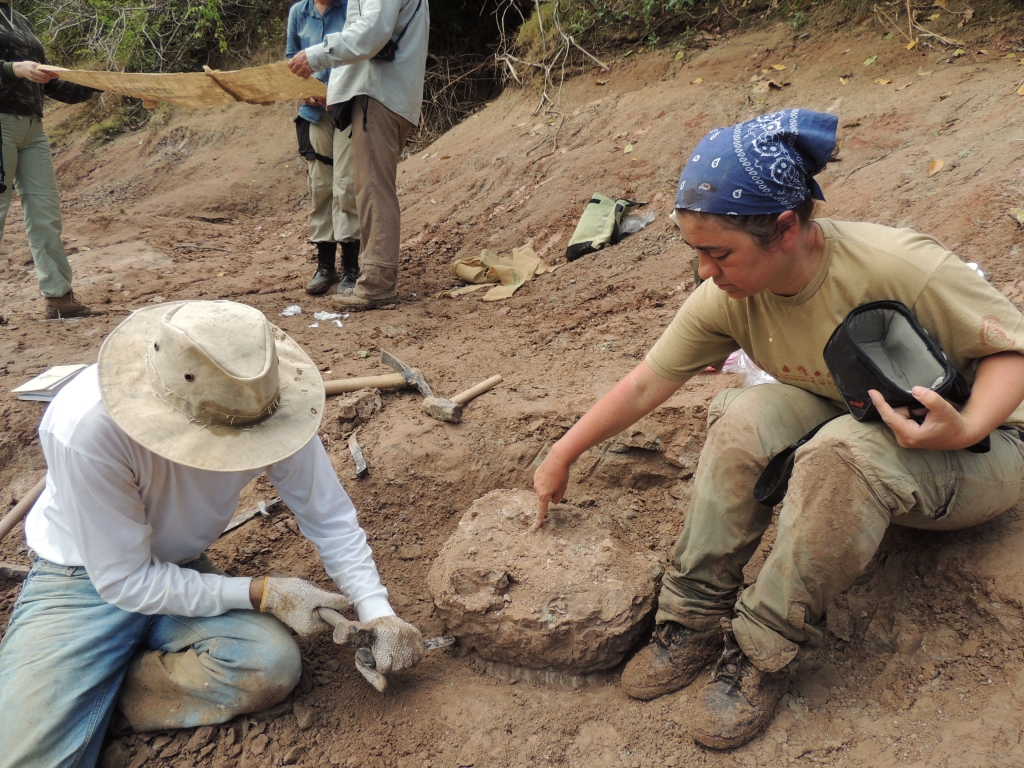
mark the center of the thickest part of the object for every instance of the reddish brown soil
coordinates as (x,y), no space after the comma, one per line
(933,672)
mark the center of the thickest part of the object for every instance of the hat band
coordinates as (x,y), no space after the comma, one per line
(199,414)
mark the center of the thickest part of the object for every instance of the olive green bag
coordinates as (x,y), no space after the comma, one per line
(599,225)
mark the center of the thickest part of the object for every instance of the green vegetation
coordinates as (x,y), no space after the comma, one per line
(155,36)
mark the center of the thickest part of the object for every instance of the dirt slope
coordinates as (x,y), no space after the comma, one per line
(211,204)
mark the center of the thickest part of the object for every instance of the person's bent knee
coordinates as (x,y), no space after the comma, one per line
(273,670)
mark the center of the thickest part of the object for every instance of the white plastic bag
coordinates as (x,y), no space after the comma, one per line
(633,222)
(739,362)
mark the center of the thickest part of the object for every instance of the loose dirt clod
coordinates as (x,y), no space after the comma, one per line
(569,597)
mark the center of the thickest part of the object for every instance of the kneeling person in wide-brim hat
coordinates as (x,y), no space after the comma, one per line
(147,454)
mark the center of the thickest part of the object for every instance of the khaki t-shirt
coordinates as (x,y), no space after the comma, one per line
(968,317)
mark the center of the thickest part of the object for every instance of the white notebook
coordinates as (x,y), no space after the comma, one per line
(46,385)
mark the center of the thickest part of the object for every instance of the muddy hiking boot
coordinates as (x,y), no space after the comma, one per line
(66,306)
(670,661)
(326,275)
(349,266)
(739,701)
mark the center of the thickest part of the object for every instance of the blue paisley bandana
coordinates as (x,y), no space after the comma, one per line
(765,165)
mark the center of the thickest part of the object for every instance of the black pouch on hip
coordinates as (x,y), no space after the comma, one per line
(882,346)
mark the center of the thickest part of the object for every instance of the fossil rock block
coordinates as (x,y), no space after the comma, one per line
(569,597)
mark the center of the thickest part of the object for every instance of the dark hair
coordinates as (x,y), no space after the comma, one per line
(764,228)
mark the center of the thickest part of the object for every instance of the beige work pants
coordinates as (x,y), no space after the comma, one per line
(378,136)
(849,482)
(335,216)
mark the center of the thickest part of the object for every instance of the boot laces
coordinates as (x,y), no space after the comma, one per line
(730,664)
(666,634)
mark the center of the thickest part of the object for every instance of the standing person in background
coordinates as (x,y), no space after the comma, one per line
(26,157)
(378,92)
(328,154)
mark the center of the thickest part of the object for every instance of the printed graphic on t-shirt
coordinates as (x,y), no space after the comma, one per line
(994,334)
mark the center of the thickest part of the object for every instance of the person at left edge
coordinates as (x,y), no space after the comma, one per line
(26,157)
(328,155)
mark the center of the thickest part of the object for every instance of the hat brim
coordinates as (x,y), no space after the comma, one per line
(136,408)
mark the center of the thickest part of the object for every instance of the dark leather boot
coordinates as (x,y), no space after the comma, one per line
(326,274)
(672,660)
(349,266)
(739,701)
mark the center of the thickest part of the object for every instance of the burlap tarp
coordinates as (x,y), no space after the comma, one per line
(487,268)
(254,85)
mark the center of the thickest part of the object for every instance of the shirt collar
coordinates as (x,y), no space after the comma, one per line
(311,6)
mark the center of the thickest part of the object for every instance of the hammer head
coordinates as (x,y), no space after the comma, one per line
(443,409)
(413,378)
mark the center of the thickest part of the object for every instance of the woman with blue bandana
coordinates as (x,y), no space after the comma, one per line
(777,283)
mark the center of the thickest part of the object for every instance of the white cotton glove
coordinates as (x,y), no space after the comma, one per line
(294,601)
(394,645)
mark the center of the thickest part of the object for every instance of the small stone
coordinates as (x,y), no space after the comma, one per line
(410,551)
(200,738)
(361,406)
(840,623)
(259,744)
(970,648)
(304,716)
(292,755)
(171,750)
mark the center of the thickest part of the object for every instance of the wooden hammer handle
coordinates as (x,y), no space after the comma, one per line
(384,381)
(21,509)
(464,397)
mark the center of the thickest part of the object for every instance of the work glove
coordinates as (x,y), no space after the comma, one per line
(394,645)
(294,601)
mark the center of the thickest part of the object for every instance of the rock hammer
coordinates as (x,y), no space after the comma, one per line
(451,410)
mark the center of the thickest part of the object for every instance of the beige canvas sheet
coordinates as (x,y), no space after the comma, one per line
(254,85)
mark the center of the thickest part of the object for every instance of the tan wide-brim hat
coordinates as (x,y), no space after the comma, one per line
(211,385)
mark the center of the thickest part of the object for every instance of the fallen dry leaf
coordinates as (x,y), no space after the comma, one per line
(854,124)
(882,81)
(1018,215)
(871,60)
(911,45)
(779,67)
(842,81)
(1020,91)
(697,81)
(934,16)
(1010,55)
(934,166)
(904,86)
(941,3)
(945,96)
(967,16)
(628,149)
(958,53)
(924,72)
(679,55)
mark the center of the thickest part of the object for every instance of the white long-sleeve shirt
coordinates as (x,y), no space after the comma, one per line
(128,515)
(398,84)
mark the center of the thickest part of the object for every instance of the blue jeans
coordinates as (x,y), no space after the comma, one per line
(68,654)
